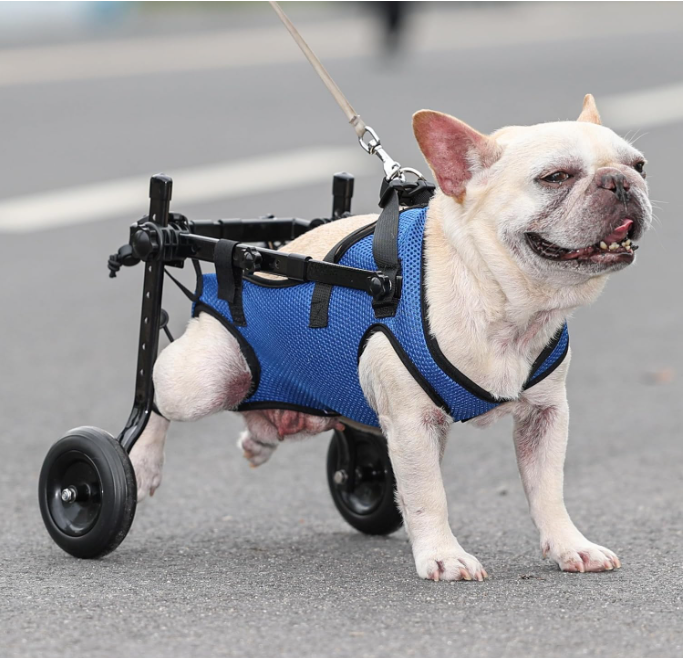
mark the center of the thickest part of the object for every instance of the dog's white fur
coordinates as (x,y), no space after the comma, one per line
(493,306)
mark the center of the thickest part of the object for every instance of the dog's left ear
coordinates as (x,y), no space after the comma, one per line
(589,113)
(453,150)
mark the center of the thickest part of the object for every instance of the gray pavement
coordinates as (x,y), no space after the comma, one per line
(230,561)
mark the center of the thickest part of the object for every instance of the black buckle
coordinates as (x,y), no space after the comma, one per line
(409,193)
(385,289)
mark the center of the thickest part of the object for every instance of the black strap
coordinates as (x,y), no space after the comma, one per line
(385,240)
(320,304)
(393,195)
(225,272)
(320,300)
(155,409)
(385,253)
(229,280)
(385,249)
(192,296)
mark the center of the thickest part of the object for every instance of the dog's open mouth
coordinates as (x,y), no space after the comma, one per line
(613,248)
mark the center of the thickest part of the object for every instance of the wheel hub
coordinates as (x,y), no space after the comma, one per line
(340,477)
(74,500)
(361,480)
(69,494)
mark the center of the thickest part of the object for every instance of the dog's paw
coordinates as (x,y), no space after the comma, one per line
(449,564)
(581,556)
(255,452)
(148,463)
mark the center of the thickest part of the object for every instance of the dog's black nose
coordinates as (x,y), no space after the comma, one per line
(617,183)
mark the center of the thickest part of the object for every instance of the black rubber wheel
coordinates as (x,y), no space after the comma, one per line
(362,482)
(87,492)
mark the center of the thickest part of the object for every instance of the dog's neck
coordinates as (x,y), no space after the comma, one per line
(490,319)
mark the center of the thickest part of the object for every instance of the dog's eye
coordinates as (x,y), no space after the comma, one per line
(640,168)
(557,177)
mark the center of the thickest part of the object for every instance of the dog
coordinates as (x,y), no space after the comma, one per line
(526,226)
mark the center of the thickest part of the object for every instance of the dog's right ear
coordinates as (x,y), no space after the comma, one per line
(453,150)
(589,113)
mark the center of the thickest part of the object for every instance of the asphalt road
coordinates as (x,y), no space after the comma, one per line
(230,561)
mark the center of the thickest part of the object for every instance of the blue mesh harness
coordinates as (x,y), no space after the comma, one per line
(315,370)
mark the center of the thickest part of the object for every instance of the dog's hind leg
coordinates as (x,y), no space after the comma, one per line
(201,373)
(259,439)
(267,428)
(147,456)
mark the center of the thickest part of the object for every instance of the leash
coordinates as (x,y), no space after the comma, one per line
(395,192)
(367,137)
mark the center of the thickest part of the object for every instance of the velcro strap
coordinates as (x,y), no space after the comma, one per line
(226,274)
(320,300)
(320,304)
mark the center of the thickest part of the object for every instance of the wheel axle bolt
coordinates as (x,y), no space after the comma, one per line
(69,494)
(340,477)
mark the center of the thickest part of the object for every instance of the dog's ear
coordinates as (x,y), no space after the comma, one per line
(453,150)
(590,113)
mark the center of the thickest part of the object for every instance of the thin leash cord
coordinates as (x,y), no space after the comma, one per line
(367,137)
(346,107)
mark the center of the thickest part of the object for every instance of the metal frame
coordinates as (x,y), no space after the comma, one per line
(150,319)
(163,239)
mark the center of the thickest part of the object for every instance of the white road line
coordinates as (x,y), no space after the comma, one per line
(643,108)
(269,173)
(638,109)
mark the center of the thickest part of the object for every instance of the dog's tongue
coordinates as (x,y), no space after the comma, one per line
(620,233)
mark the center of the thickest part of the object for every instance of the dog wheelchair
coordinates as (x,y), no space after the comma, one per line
(87,485)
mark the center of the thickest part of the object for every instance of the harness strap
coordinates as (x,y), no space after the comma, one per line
(192,296)
(225,273)
(320,303)
(320,300)
(155,409)
(229,280)
(393,195)
(385,249)
(385,240)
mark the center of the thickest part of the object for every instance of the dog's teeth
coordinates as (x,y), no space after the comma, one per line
(603,245)
(626,243)
(614,246)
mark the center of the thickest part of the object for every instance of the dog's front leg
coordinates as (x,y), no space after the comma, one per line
(540,435)
(416,431)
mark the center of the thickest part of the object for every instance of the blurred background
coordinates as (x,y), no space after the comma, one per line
(96,97)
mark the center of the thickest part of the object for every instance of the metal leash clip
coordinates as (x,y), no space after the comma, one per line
(373,146)
(392,169)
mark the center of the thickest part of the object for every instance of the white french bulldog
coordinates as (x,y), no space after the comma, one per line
(528,223)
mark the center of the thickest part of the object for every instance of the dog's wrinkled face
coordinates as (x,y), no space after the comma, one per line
(568,200)
(582,194)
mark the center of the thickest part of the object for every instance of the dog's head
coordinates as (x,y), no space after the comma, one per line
(566,200)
